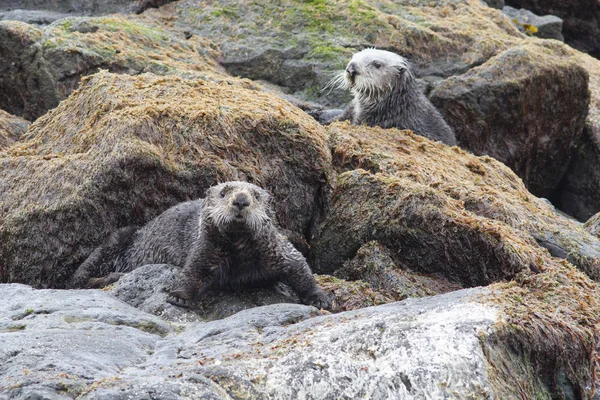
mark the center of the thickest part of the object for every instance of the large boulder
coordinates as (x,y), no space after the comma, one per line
(581,20)
(579,188)
(525,107)
(11,128)
(439,210)
(41,66)
(86,344)
(122,149)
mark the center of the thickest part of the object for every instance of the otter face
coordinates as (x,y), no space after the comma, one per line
(371,73)
(236,205)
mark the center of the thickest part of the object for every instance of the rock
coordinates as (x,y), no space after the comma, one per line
(593,225)
(545,27)
(53,341)
(36,17)
(86,344)
(580,20)
(373,264)
(301,46)
(498,4)
(40,67)
(147,288)
(11,128)
(84,7)
(496,109)
(424,201)
(579,188)
(122,149)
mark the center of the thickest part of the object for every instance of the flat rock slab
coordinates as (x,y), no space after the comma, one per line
(87,343)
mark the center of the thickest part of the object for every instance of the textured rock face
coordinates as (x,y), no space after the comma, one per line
(84,7)
(268,352)
(123,149)
(300,46)
(593,225)
(373,264)
(526,107)
(423,201)
(545,27)
(40,67)
(579,188)
(87,344)
(11,128)
(581,27)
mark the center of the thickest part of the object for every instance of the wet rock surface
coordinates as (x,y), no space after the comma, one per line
(496,109)
(83,7)
(274,351)
(11,128)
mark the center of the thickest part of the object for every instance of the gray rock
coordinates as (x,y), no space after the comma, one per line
(53,342)
(11,128)
(495,3)
(40,67)
(36,17)
(147,287)
(83,7)
(581,183)
(580,20)
(547,26)
(86,343)
(496,109)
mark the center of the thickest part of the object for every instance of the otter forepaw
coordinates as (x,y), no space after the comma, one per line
(181,298)
(98,283)
(318,299)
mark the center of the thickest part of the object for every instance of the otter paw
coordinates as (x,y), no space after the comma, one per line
(98,283)
(180,298)
(318,299)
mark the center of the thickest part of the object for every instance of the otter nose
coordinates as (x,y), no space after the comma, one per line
(241,201)
(352,69)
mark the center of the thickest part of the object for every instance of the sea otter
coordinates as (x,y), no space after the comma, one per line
(386,94)
(226,240)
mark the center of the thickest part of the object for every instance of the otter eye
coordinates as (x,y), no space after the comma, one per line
(223,191)
(255,194)
(377,64)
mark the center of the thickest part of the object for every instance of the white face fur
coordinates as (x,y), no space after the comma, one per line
(371,72)
(220,205)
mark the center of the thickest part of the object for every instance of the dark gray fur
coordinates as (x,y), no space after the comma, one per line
(217,244)
(389,96)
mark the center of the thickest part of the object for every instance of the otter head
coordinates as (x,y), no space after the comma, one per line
(372,73)
(237,205)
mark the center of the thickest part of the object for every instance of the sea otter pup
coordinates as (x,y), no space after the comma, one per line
(386,95)
(226,240)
